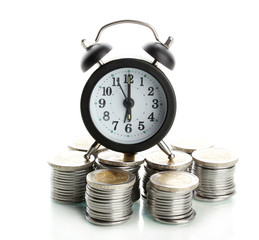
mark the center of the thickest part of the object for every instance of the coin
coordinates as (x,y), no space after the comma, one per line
(215,157)
(160,160)
(83,143)
(71,160)
(107,223)
(178,221)
(110,179)
(190,143)
(120,159)
(173,181)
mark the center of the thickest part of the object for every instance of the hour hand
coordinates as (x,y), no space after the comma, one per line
(128,115)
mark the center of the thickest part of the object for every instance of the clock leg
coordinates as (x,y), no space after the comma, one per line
(164,147)
(92,150)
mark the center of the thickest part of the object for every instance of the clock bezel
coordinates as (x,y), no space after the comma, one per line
(133,63)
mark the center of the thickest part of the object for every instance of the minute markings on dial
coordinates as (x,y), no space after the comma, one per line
(142,109)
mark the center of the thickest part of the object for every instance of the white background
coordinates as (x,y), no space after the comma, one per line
(215,79)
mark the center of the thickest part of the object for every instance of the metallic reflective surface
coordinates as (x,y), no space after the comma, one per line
(108,204)
(157,161)
(215,167)
(215,184)
(167,206)
(132,169)
(127,162)
(68,173)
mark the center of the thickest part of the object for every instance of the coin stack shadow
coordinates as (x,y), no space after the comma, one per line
(215,168)
(68,173)
(108,196)
(127,162)
(169,196)
(158,161)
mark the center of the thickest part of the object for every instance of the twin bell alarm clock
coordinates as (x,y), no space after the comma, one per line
(128,104)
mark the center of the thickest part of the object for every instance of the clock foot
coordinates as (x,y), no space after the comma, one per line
(164,147)
(92,150)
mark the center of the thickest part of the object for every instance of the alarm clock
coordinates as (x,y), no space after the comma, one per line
(128,105)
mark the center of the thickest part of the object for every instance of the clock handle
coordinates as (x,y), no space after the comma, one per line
(92,150)
(164,147)
(127,21)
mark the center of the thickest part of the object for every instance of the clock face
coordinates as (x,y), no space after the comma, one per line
(128,105)
(123,118)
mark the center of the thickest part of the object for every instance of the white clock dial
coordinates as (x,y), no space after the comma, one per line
(128,119)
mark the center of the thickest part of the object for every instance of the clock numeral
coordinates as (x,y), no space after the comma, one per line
(107,91)
(115,81)
(141,81)
(102,103)
(151,117)
(155,105)
(106,116)
(128,128)
(151,91)
(128,77)
(116,123)
(141,125)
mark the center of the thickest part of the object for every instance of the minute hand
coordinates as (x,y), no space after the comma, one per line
(121,89)
(129,116)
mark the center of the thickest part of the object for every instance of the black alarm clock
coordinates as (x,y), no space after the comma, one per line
(128,105)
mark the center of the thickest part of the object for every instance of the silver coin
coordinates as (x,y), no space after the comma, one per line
(178,221)
(71,161)
(106,223)
(160,161)
(190,143)
(83,143)
(215,158)
(118,159)
(211,199)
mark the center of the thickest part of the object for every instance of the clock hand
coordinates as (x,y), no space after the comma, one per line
(128,109)
(121,88)
(129,116)
(126,115)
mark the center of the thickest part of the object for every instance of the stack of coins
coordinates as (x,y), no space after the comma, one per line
(127,162)
(108,196)
(215,168)
(83,143)
(68,173)
(189,144)
(169,196)
(158,161)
